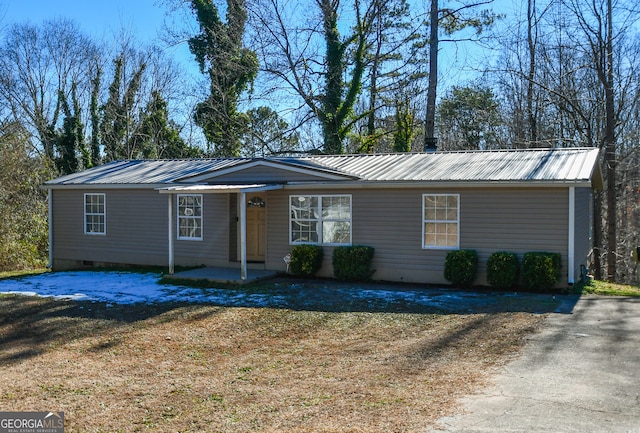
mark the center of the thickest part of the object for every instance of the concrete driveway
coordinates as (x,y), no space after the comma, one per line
(580,374)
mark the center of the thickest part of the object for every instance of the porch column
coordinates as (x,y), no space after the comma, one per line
(572,236)
(243,235)
(170,225)
(50,222)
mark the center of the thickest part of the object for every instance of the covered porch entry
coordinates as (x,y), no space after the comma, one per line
(250,221)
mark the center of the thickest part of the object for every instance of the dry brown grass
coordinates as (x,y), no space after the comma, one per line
(183,368)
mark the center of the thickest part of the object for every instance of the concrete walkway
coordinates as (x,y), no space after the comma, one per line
(580,374)
(224,275)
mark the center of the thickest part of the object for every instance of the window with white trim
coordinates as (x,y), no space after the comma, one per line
(441,221)
(320,219)
(95,214)
(189,217)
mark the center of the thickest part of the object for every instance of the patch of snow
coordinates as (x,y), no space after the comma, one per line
(126,288)
(112,287)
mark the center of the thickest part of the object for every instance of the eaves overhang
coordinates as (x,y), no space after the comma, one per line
(438,184)
(319,171)
(97,186)
(218,189)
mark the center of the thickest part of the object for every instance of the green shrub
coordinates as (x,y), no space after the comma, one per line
(460,267)
(540,270)
(502,270)
(352,263)
(305,260)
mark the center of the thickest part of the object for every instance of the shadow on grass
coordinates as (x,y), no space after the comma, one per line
(31,326)
(334,296)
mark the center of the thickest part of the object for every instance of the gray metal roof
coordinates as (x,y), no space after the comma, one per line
(570,165)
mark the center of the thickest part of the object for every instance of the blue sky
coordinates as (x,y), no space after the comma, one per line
(103,18)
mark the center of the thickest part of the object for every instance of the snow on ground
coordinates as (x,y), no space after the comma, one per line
(124,288)
(116,287)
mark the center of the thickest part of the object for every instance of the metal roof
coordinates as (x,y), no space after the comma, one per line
(557,165)
(566,165)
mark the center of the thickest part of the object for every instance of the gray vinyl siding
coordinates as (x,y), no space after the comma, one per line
(264,174)
(583,224)
(213,249)
(390,220)
(136,230)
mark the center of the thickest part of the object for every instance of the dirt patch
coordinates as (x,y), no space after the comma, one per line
(178,367)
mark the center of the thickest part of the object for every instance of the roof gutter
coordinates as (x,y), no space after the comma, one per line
(342,184)
(440,184)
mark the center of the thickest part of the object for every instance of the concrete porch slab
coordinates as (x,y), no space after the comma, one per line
(224,275)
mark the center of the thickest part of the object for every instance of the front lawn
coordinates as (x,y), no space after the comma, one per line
(605,288)
(199,367)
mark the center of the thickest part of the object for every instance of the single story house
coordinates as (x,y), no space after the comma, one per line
(248,213)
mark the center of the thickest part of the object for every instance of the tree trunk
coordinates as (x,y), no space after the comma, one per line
(610,157)
(531,43)
(429,132)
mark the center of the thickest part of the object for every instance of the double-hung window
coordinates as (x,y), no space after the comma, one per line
(320,219)
(190,217)
(441,221)
(95,214)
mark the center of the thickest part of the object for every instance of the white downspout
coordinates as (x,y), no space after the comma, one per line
(243,236)
(170,213)
(572,236)
(50,222)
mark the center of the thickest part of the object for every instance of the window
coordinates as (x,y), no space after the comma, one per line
(190,216)
(324,220)
(441,221)
(95,221)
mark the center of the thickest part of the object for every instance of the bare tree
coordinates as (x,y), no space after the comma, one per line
(41,64)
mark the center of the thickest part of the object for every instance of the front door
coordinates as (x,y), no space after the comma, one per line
(256,227)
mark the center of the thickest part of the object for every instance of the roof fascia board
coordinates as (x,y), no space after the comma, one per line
(279,165)
(441,184)
(217,189)
(94,186)
(336,185)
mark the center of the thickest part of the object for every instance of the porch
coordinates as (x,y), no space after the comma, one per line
(224,275)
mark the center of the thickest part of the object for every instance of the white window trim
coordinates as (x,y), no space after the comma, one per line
(104,214)
(178,217)
(320,220)
(424,222)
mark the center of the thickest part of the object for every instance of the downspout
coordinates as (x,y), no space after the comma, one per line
(572,236)
(170,213)
(243,235)
(50,223)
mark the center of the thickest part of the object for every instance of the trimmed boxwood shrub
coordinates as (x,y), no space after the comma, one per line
(460,267)
(502,270)
(305,260)
(353,263)
(541,270)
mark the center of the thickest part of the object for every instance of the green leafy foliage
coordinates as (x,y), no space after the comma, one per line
(231,69)
(460,267)
(23,205)
(502,270)
(353,263)
(306,260)
(158,136)
(541,270)
(468,117)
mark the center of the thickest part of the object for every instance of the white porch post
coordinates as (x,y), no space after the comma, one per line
(572,236)
(50,222)
(170,225)
(243,235)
